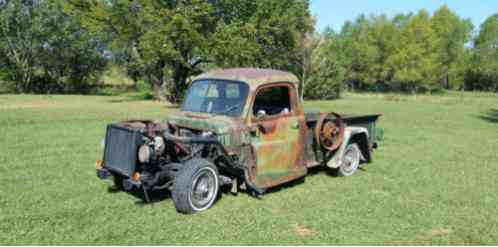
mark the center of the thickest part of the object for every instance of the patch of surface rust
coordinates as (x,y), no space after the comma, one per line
(252,76)
(280,145)
(330,134)
(280,151)
(231,132)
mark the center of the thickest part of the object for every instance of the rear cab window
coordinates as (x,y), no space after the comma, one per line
(273,100)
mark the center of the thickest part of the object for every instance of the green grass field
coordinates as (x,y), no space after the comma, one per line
(434,180)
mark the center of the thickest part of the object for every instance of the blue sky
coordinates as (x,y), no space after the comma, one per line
(334,13)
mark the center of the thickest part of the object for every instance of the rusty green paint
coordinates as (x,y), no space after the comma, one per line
(230,131)
(262,152)
(278,153)
(280,150)
(274,156)
(201,121)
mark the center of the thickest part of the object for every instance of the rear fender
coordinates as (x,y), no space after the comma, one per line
(357,135)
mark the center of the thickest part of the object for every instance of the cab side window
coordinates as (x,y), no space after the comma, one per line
(273,101)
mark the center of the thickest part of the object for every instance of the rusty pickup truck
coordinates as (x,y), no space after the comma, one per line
(244,128)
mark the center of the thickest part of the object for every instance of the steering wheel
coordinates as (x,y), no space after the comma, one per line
(329,131)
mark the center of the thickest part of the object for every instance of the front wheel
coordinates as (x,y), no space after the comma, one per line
(350,161)
(196,187)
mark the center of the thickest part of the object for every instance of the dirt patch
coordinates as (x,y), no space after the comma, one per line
(439,232)
(429,236)
(303,231)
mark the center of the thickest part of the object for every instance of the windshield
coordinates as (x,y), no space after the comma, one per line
(217,97)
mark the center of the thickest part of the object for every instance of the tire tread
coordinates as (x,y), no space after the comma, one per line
(183,182)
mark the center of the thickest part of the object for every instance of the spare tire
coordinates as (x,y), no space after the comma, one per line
(329,131)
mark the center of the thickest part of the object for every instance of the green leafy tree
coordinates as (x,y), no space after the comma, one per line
(71,58)
(307,58)
(21,29)
(384,37)
(174,40)
(483,74)
(177,41)
(410,52)
(46,50)
(326,80)
(452,33)
(326,83)
(414,63)
(280,26)
(120,24)
(358,46)
(304,63)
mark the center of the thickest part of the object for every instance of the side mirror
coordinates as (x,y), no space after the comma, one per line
(261,114)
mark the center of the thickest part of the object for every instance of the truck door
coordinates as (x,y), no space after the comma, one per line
(277,134)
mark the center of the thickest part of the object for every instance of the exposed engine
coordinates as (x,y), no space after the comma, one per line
(155,147)
(160,157)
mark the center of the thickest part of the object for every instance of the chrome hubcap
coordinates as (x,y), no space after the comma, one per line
(351,160)
(203,189)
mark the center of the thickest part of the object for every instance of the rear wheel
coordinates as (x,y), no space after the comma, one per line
(350,161)
(196,187)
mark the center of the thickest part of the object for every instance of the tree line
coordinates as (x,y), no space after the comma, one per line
(57,46)
(414,52)
(43,49)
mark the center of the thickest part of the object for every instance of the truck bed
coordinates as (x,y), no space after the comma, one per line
(366,121)
(313,115)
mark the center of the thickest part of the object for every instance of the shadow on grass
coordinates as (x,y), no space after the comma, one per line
(154,196)
(132,98)
(141,97)
(490,116)
(311,172)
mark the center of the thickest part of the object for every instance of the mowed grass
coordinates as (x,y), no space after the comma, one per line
(434,180)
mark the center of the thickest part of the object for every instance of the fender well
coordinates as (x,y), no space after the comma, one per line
(358,135)
(361,139)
